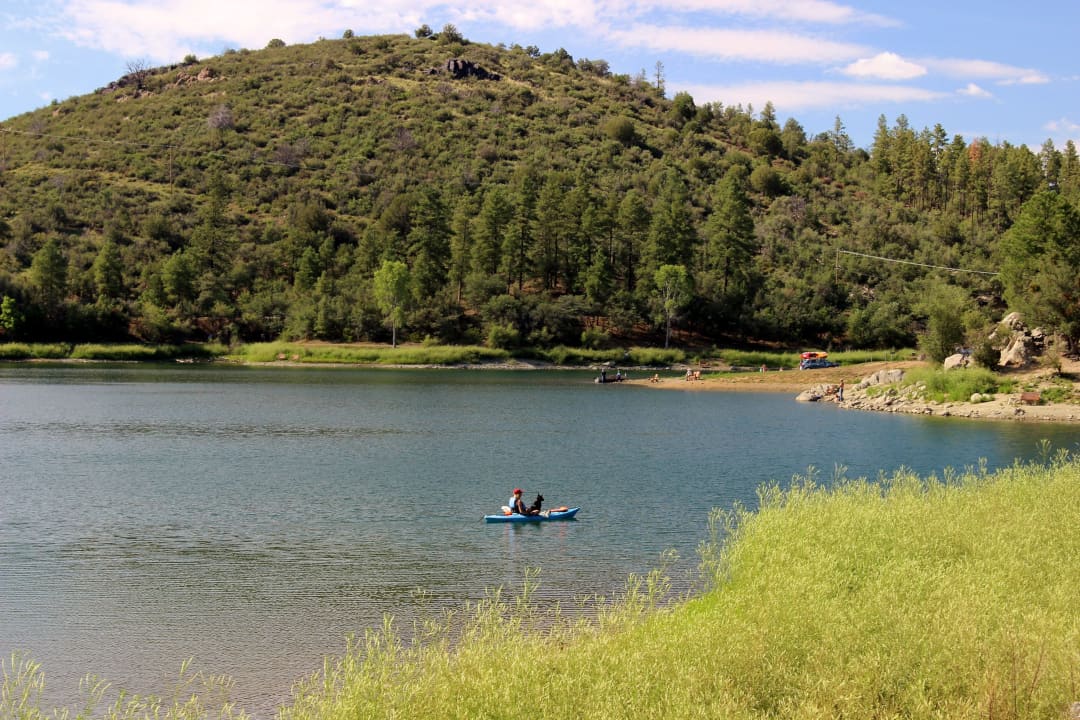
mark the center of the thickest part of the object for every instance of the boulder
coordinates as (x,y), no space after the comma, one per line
(959,360)
(1014,322)
(1017,353)
(881,377)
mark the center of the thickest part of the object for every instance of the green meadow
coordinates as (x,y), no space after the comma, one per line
(902,596)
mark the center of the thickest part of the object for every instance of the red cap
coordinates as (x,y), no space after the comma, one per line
(517,491)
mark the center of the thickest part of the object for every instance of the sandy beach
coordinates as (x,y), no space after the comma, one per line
(822,382)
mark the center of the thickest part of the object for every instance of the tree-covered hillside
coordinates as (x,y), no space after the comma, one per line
(429,187)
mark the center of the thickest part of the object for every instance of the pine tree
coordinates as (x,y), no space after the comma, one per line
(729,232)
(48,277)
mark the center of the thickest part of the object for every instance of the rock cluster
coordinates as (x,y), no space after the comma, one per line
(1022,344)
(881,392)
(186,78)
(459,69)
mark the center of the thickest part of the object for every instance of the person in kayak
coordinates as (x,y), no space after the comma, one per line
(517,505)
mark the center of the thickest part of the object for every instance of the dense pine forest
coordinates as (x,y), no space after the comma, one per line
(429,188)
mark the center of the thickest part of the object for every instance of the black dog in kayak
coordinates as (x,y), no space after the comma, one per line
(534,509)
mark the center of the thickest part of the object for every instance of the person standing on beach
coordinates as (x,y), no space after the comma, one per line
(840,392)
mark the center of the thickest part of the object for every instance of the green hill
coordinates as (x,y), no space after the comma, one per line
(531,198)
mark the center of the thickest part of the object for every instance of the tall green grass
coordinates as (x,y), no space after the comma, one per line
(443,354)
(562,355)
(367,354)
(956,385)
(135,353)
(951,597)
(113,352)
(194,696)
(655,357)
(34,351)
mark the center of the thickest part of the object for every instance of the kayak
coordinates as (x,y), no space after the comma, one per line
(567,514)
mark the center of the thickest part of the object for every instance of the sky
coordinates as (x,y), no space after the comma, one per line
(1002,70)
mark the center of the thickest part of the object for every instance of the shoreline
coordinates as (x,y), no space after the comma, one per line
(806,385)
(819,385)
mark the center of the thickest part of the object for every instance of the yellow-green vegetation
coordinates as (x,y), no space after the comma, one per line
(367,354)
(655,356)
(116,352)
(949,597)
(194,696)
(956,385)
(29,351)
(131,352)
(431,354)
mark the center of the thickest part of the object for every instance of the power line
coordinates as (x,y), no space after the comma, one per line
(171,147)
(87,140)
(910,262)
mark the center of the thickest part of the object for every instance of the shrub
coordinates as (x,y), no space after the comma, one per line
(503,336)
(15,351)
(595,338)
(656,356)
(620,129)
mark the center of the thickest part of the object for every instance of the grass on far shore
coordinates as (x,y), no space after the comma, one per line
(773,360)
(899,597)
(108,351)
(427,354)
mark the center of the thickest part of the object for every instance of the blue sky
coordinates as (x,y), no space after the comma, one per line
(1006,71)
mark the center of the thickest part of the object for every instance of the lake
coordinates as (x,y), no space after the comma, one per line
(250,519)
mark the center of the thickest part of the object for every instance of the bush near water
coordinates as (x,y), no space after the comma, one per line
(939,597)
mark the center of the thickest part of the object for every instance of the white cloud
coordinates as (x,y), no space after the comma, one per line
(1062,125)
(756,45)
(987,70)
(885,66)
(165,30)
(807,11)
(41,55)
(973,90)
(531,15)
(8,61)
(795,96)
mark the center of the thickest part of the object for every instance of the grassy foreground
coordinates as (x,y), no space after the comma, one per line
(951,597)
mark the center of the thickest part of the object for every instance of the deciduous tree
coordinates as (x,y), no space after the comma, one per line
(392,293)
(673,291)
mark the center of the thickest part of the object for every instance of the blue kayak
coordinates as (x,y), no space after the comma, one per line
(553,515)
